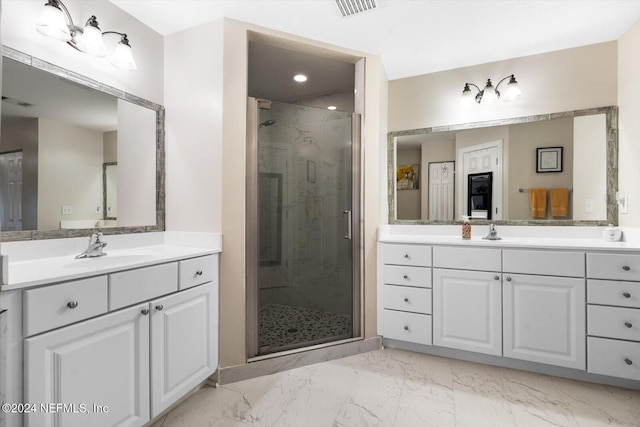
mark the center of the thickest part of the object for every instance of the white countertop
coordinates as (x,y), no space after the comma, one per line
(536,238)
(28,273)
(47,262)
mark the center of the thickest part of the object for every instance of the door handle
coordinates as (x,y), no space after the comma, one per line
(348,214)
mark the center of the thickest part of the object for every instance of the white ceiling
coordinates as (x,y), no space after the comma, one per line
(414,37)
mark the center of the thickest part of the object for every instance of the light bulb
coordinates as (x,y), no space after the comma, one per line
(489,94)
(467,97)
(90,41)
(512,91)
(123,56)
(52,22)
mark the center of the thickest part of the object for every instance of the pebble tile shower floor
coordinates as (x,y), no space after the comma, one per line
(283,326)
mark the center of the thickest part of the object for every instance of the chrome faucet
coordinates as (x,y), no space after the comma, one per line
(493,233)
(96,245)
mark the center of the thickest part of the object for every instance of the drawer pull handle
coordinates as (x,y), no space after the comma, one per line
(628,361)
(406,256)
(508,279)
(145,311)
(406,300)
(628,324)
(72,304)
(405,277)
(496,278)
(406,328)
(159,307)
(626,268)
(626,295)
(199,273)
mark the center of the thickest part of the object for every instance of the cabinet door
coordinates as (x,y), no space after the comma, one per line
(184,351)
(467,310)
(544,319)
(102,362)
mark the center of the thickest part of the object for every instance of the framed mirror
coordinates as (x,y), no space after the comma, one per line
(62,136)
(550,169)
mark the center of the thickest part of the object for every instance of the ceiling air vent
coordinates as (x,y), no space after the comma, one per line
(352,7)
(16,102)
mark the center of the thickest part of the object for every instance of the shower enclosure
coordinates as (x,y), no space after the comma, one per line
(303,227)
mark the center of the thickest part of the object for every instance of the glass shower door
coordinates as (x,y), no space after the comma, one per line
(304,263)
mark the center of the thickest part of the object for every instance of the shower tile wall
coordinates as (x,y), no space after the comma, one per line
(302,145)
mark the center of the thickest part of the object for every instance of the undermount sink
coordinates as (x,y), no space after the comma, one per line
(109,260)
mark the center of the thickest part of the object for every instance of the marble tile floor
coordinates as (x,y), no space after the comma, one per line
(399,388)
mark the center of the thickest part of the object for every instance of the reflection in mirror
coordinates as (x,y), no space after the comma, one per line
(110,188)
(61,138)
(491,171)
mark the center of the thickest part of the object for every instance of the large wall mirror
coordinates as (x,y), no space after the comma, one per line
(62,136)
(553,169)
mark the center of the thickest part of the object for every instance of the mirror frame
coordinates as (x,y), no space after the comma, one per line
(68,75)
(611,113)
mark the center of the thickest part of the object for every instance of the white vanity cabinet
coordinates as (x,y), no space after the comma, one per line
(613,315)
(183,343)
(466,300)
(406,293)
(133,362)
(103,361)
(543,314)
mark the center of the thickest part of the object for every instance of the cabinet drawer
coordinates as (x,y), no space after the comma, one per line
(418,255)
(547,263)
(407,276)
(482,259)
(614,322)
(410,327)
(196,271)
(416,300)
(58,305)
(130,287)
(613,358)
(608,292)
(613,266)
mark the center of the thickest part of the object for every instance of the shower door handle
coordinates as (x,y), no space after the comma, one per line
(348,214)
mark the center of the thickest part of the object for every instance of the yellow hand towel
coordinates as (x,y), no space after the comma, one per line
(538,200)
(559,202)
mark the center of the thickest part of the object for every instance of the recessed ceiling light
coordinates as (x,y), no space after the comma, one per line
(331,107)
(300,78)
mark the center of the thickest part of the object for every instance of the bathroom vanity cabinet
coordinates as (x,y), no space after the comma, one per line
(569,312)
(122,347)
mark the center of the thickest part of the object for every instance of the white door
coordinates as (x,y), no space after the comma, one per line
(479,159)
(441,186)
(467,310)
(11,191)
(104,362)
(544,319)
(183,343)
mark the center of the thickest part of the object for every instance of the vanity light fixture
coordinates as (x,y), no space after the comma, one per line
(300,78)
(56,22)
(490,94)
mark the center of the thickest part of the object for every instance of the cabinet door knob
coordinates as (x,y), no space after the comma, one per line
(405,277)
(626,268)
(508,279)
(626,295)
(406,300)
(159,307)
(199,273)
(628,361)
(406,255)
(496,278)
(145,311)
(406,328)
(72,304)
(628,324)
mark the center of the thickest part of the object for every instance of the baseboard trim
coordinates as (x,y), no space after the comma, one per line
(283,363)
